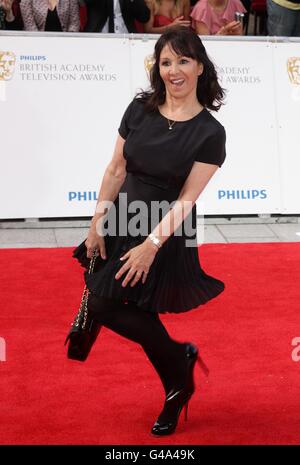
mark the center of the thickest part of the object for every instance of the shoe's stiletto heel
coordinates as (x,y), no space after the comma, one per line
(176,400)
(186,411)
(203,366)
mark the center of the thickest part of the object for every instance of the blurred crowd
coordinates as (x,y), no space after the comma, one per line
(206,17)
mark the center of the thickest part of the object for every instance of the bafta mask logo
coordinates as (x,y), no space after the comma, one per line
(293,69)
(148,63)
(7,65)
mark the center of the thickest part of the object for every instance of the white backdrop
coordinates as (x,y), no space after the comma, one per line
(61,109)
(288,106)
(60,134)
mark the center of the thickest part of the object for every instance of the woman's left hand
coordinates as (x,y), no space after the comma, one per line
(138,262)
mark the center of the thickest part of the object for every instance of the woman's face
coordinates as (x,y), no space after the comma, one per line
(179,73)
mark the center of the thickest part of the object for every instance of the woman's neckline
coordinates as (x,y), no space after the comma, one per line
(182,121)
(217,9)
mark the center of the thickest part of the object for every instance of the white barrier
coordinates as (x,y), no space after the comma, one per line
(62,98)
(287,91)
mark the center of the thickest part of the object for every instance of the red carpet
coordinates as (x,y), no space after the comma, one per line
(253,392)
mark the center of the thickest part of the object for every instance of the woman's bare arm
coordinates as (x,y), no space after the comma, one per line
(112,181)
(202,29)
(186,9)
(195,183)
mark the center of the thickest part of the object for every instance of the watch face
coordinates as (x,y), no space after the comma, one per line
(156,241)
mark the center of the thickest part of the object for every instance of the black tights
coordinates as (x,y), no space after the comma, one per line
(166,355)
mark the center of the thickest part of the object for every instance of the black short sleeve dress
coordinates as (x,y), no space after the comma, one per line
(158,162)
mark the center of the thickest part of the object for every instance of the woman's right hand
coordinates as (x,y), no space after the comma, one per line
(95,241)
(180,21)
(234,28)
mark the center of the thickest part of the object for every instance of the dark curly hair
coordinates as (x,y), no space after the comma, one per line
(184,42)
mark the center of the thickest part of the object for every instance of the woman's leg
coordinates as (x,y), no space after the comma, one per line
(166,355)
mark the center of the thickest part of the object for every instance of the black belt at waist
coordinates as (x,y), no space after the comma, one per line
(170,183)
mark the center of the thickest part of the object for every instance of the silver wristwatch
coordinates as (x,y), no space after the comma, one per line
(155,240)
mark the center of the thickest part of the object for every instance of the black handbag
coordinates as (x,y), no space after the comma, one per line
(84,329)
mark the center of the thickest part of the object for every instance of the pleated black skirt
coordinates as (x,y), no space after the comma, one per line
(175,283)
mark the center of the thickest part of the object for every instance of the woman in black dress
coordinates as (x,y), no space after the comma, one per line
(168,148)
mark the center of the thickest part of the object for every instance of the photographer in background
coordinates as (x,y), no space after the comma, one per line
(50,15)
(166,14)
(283,18)
(10,17)
(218,17)
(117,16)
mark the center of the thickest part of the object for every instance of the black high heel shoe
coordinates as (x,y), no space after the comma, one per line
(176,400)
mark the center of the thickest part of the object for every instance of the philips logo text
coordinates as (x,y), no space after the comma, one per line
(83,196)
(32,58)
(249,194)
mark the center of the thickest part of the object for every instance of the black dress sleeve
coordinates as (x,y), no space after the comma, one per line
(125,122)
(212,149)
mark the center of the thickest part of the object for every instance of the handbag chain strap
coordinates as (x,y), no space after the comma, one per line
(83,309)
